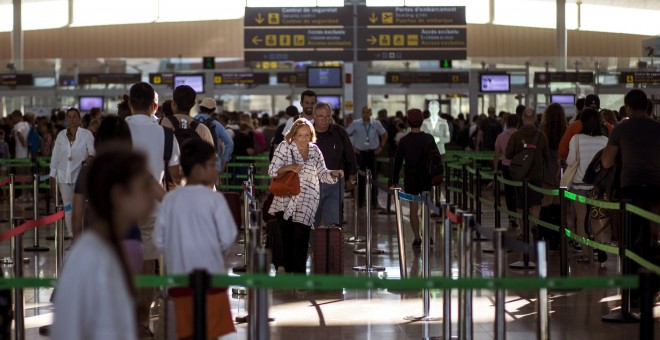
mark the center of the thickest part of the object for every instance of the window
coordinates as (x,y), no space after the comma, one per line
(35,14)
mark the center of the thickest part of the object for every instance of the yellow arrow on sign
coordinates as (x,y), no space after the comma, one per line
(259,19)
(256,40)
(373,18)
(373,40)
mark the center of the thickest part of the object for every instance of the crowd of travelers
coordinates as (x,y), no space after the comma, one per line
(142,183)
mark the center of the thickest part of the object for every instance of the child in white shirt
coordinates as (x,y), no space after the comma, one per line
(195,227)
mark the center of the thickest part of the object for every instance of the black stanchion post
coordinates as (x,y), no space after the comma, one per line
(455,183)
(390,182)
(199,282)
(447,183)
(471,191)
(464,188)
(477,196)
(19,301)
(624,315)
(648,283)
(525,263)
(35,212)
(563,239)
(496,200)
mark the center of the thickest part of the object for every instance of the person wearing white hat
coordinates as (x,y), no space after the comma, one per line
(225,144)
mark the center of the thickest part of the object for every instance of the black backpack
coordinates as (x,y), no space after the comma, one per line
(182,134)
(434,163)
(210,124)
(522,161)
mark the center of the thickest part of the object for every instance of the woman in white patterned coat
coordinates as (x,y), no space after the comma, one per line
(295,214)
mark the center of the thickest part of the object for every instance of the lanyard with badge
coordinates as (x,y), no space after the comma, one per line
(367,129)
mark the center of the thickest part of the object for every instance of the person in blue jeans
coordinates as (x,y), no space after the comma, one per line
(337,150)
(225,144)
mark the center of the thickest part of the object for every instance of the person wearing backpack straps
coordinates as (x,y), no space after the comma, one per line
(182,123)
(224,151)
(529,137)
(162,151)
(415,149)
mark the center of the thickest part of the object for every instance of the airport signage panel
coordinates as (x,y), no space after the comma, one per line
(161,78)
(14,79)
(300,38)
(296,78)
(241,78)
(647,77)
(427,78)
(541,78)
(298,16)
(412,16)
(109,78)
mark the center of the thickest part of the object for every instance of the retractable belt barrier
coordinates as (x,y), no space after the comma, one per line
(30,224)
(334,282)
(573,197)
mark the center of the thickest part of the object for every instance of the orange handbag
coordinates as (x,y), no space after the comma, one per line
(287,184)
(218,312)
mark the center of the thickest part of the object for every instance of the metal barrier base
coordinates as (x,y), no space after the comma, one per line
(52,238)
(421,318)
(521,265)
(239,269)
(239,291)
(36,248)
(244,319)
(369,269)
(355,239)
(619,317)
(492,251)
(373,251)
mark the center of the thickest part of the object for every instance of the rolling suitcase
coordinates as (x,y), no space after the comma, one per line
(329,250)
(274,242)
(234,202)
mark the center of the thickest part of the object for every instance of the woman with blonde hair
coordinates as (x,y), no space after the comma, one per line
(295,214)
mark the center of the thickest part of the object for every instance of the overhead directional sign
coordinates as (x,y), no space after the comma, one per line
(385,33)
(298,16)
(427,78)
(161,78)
(430,33)
(563,77)
(241,78)
(292,78)
(415,16)
(640,77)
(270,33)
(299,38)
(13,79)
(109,78)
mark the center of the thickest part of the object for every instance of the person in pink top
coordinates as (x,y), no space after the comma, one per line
(502,140)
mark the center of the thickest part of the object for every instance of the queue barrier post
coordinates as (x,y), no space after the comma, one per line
(446,273)
(368,251)
(471,191)
(648,287)
(496,200)
(57,204)
(403,270)
(464,188)
(461,274)
(246,237)
(258,300)
(8,260)
(19,307)
(624,315)
(59,242)
(478,193)
(356,206)
(200,281)
(467,293)
(456,200)
(35,213)
(543,326)
(447,183)
(563,239)
(525,263)
(500,294)
(426,252)
(390,182)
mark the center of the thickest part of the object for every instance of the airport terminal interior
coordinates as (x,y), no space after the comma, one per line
(488,231)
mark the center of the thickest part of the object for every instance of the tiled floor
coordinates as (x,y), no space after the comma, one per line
(380,314)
